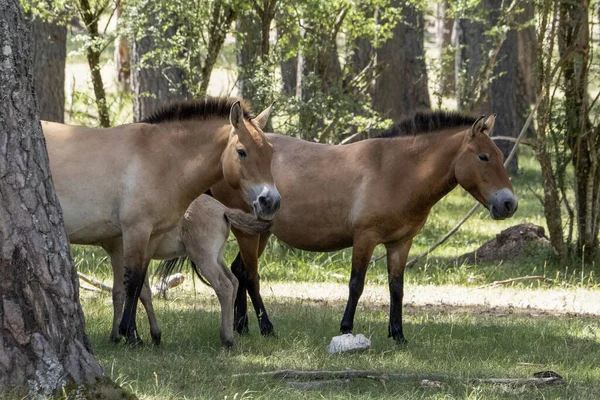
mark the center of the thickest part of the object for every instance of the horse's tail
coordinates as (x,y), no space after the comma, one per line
(168,267)
(246,222)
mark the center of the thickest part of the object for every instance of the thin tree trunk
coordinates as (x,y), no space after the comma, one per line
(402,88)
(42,327)
(49,50)
(93,56)
(582,139)
(443,38)
(222,18)
(121,56)
(543,81)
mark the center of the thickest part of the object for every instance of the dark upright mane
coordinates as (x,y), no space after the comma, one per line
(209,107)
(427,122)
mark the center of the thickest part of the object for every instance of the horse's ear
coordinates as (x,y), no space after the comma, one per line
(477,127)
(488,125)
(236,115)
(263,117)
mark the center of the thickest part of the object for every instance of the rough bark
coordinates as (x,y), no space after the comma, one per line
(402,88)
(42,327)
(49,50)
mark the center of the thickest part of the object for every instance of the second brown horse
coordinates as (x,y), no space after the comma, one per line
(371,192)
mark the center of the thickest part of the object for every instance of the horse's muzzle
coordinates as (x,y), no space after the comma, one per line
(267,203)
(503,204)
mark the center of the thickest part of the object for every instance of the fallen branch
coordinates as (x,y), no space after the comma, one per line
(518,140)
(519,279)
(328,376)
(169,282)
(94,282)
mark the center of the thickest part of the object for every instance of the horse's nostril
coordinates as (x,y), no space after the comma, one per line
(508,206)
(263,201)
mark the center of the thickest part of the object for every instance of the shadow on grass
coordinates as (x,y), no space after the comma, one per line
(190,364)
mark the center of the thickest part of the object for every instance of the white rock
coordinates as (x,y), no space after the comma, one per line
(348,342)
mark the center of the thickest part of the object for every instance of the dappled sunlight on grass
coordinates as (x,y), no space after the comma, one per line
(189,363)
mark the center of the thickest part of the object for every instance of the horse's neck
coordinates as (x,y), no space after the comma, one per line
(201,144)
(432,157)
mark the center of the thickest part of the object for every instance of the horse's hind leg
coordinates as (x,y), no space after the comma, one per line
(397,254)
(135,243)
(208,260)
(361,256)
(115,252)
(146,298)
(250,252)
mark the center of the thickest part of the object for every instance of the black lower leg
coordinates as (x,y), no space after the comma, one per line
(240,316)
(396,294)
(266,327)
(134,280)
(357,284)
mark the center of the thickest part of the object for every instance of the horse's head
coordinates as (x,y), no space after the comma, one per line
(479,169)
(247,162)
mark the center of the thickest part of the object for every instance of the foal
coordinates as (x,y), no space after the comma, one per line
(133,182)
(370,192)
(201,235)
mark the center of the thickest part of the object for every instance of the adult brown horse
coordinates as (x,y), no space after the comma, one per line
(375,191)
(133,182)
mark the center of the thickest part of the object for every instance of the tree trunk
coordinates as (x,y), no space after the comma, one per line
(122,59)
(42,337)
(443,39)
(503,90)
(93,52)
(49,50)
(220,24)
(583,139)
(402,88)
(289,66)
(476,57)
(153,85)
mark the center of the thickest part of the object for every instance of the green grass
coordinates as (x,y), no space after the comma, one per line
(189,364)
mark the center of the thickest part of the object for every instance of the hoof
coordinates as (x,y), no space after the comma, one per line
(241,326)
(134,342)
(400,340)
(267,330)
(115,338)
(156,338)
(226,344)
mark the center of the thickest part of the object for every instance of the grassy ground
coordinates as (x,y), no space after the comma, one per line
(462,345)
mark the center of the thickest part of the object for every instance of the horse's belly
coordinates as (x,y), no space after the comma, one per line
(89,225)
(311,238)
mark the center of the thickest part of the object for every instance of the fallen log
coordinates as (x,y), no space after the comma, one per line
(549,379)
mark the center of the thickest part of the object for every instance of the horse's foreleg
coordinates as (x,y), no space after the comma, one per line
(253,284)
(361,256)
(397,254)
(135,242)
(146,298)
(240,318)
(114,248)
(118,290)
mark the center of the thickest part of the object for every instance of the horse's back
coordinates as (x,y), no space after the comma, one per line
(88,168)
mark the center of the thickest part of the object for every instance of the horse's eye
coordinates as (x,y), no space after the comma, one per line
(242,153)
(483,157)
